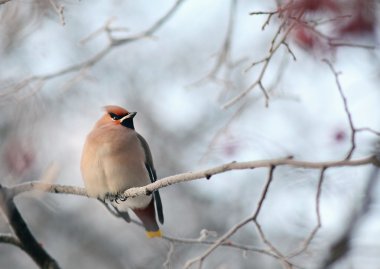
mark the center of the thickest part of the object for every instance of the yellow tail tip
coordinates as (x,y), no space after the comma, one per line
(152,234)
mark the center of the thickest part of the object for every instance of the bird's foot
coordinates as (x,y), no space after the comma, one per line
(117,198)
(120,197)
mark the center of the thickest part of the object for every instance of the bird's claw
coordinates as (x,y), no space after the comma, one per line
(120,197)
(117,198)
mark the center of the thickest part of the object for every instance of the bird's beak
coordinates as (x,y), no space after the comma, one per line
(131,115)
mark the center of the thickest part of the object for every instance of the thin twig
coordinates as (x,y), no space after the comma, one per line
(113,43)
(367,129)
(345,103)
(226,47)
(272,248)
(264,193)
(224,54)
(47,187)
(260,231)
(228,243)
(289,50)
(199,259)
(218,242)
(59,9)
(352,45)
(258,82)
(105,28)
(311,236)
(166,264)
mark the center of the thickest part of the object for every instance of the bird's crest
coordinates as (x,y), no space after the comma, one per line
(116,110)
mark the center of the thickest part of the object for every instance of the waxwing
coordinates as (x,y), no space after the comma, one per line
(115,158)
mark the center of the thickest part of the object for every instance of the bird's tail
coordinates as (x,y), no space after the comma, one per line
(148,218)
(152,234)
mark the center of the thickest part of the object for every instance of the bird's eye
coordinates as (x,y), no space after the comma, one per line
(114,116)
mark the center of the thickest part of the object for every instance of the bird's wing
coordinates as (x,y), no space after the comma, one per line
(153,176)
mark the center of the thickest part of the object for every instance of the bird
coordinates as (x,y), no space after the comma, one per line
(115,158)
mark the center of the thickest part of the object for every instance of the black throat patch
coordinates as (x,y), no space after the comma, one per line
(128,123)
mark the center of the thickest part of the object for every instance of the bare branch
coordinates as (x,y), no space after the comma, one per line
(59,10)
(263,13)
(133,192)
(224,55)
(330,20)
(265,92)
(154,28)
(46,187)
(258,82)
(21,230)
(260,232)
(269,17)
(348,113)
(264,192)
(352,45)
(289,50)
(331,41)
(217,243)
(105,28)
(10,239)
(311,236)
(225,51)
(207,173)
(101,54)
(166,264)
(224,244)
(273,249)
(236,227)
(271,164)
(367,129)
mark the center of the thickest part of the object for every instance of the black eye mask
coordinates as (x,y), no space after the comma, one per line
(114,116)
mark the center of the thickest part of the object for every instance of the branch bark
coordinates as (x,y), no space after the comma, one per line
(34,249)
(10,239)
(189,176)
(27,241)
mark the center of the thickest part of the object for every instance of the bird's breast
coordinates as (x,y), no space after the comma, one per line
(113,163)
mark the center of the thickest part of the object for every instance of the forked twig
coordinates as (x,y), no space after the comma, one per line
(348,113)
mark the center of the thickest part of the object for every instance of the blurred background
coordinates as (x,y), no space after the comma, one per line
(179,80)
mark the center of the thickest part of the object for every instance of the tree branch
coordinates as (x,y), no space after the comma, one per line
(47,187)
(113,42)
(239,225)
(259,81)
(311,236)
(19,225)
(207,173)
(229,244)
(10,239)
(133,192)
(21,230)
(348,113)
